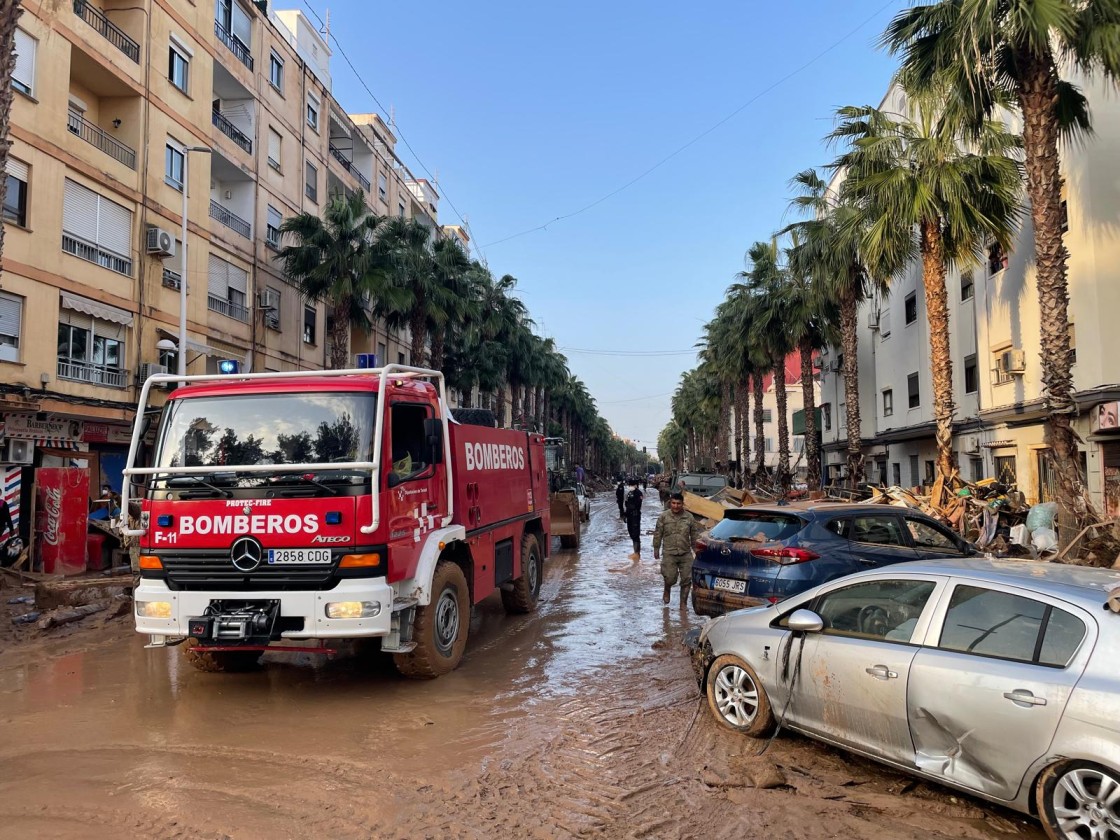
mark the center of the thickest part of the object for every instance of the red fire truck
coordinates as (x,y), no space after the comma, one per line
(330,505)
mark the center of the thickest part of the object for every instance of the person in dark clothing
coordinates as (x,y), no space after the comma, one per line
(620,496)
(634,518)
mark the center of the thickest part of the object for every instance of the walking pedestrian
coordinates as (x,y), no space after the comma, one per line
(676,531)
(663,493)
(620,496)
(634,518)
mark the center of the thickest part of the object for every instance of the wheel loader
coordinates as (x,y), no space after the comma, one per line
(563,504)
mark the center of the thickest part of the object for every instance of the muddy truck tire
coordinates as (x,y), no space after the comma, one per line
(475,417)
(522,598)
(219,661)
(440,627)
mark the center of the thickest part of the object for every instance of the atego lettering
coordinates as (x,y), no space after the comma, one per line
(494,456)
(271,523)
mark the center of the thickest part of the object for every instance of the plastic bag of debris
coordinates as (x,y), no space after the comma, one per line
(1044,540)
(1042,516)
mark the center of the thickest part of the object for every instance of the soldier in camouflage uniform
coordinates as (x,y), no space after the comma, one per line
(677,530)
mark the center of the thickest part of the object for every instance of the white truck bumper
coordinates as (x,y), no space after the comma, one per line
(310,606)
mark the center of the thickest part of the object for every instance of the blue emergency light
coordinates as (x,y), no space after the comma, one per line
(228,366)
(367,360)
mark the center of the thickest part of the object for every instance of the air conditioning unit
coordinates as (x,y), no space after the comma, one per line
(148,369)
(160,242)
(19,451)
(873,319)
(1014,361)
(268,299)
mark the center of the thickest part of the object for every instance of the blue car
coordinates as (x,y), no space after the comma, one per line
(764,553)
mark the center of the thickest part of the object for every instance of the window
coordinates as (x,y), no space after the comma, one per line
(990,623)
(410,451)
(911,308)
(173,166)
(311,182)
(888,402)
(753,525)
(1072,344)
(886,610)
(96,229)
(896,470)
(997,258)
(400,358)
(381,359)
(926,535)
(90,350)
(912,390)
(1005,469)
(400,209)
(178,67)
(977,467)
(271,308)
(879,529)
(383,188)
(842,414)
(275,142)
(313,111)
(968,288)
(885,322)
(173,267)
(276,71)
(234,20)
(272,227)
(309,325)
(913,470)
(826,415)
(23,74)
(227,288)
(929,472)
(971,382)
(1002,374)
(11,322)
(767,415)
(15,200)
(769,444)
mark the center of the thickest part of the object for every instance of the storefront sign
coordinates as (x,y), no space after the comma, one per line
(1106,417)
(61,512)
(28,427)
(106,433)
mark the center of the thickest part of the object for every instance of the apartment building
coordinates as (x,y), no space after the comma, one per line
(122,107)
(994,339)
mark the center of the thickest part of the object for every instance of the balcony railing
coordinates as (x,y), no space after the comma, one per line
(96,254)
(93,374)
(172,279)
(95,136)
(230,220)
(349,166)
(272,237)
(227,308)
(232,132)
(110,31)
(235,45)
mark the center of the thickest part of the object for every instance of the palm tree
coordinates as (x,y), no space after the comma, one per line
(938,199)
(410,290)
(996,51)
(458,303)
(332,260)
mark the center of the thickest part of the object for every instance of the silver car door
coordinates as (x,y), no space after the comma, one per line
(987,691)
(852,683)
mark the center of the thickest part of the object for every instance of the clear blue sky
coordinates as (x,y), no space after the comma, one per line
(528,111)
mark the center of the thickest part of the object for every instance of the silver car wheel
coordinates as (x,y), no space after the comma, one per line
(1086,804)
(736,696)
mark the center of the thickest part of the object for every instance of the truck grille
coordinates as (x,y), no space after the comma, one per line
(217,572)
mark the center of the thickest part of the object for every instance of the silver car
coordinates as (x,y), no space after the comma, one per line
(999,678)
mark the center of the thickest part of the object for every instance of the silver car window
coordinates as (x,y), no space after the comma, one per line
(1063,635)
(878,609)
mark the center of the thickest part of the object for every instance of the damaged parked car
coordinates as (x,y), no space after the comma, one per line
(997,678)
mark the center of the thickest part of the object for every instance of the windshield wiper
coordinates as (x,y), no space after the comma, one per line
(310,479)
(221,491)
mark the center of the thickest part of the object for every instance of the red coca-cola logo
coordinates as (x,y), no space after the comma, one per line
(52,505)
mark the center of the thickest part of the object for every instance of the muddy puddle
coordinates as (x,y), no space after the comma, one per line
(579,720)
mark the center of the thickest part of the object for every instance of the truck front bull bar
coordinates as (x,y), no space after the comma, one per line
(373,467)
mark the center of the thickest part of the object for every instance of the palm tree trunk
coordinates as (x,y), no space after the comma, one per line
(1037,94)
(941,361)
(742,427)
(417,326)
(725,426)
(783,423)
(759,429)
(849,342)
(500,410)
(809,402)
(9,13)
(340,336)
(435,357)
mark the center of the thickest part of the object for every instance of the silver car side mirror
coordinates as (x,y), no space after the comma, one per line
(805,621)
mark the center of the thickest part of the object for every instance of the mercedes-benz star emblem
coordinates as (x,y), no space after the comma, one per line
(246,554)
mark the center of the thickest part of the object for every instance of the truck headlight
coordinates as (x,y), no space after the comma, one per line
(353,609)
(153,609)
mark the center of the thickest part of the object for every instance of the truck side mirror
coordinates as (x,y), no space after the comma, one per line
(433,433)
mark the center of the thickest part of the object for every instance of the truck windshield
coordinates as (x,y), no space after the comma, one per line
(254,429)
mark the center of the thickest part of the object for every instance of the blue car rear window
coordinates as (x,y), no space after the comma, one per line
(764,527)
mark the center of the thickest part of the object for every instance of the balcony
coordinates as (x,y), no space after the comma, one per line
(109,31)
(235,46)
(230,220)
(172,279)
(93,374)
(232,132)
(349,167)
(96,136)
(227,308)
(90,252)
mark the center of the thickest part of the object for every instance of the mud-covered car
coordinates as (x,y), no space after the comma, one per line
(763,553)
(997,678)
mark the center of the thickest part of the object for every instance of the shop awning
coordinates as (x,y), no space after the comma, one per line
(98,310)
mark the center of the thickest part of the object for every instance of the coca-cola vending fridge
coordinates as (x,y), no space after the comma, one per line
(61,518)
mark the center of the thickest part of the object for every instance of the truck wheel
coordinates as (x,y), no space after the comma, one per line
(527,588)
(219,661)
(475,417)
(440,627)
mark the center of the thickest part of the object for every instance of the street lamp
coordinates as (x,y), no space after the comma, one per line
(186,268)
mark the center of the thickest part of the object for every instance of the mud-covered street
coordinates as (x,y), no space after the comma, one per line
(580,720)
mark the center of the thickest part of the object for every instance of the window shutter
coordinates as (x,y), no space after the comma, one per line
(17,169)
(10,310)
(242,26)
(274,145)
(114,231)
(238,279)
(79,211)
(217,277)
(885,322)
(24,71)
(274,217)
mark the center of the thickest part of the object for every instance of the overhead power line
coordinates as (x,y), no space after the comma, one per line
(628,352)
(702,134)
